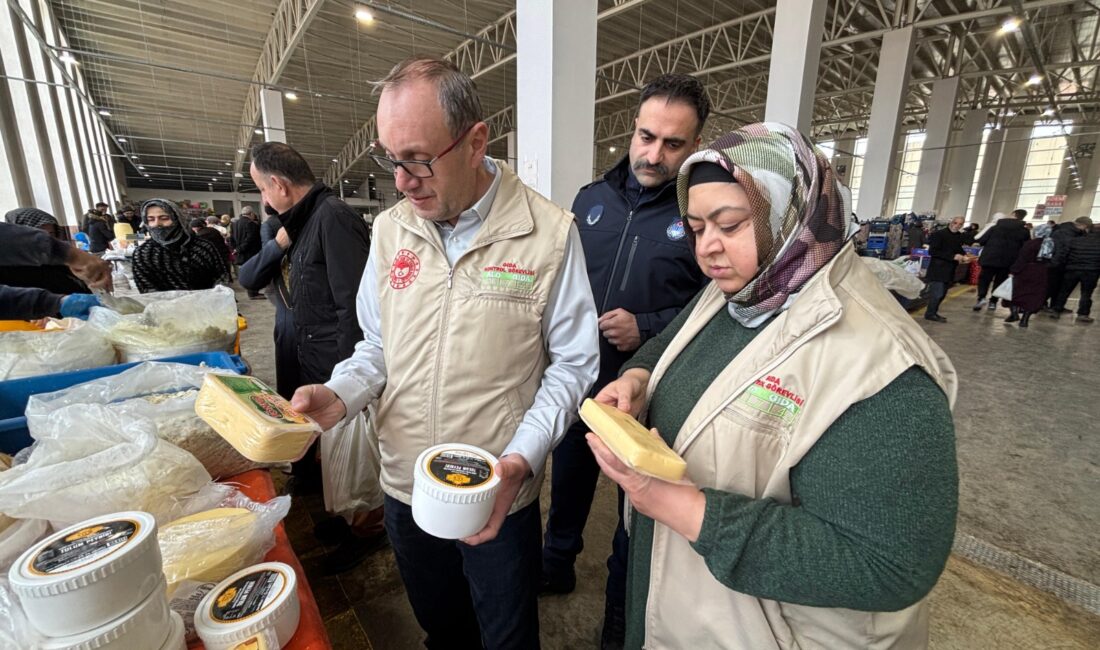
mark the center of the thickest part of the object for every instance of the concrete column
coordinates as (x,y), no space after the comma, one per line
(963,166)
(891,86)
(1006,190)
(271,112)
(555,95)
(1079,202)
(934,151)
(796,52)
(13,144)
(510,140)
(987,177)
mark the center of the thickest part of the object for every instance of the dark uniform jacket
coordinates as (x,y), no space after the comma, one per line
(1002,243)
(943,246)
(638,256)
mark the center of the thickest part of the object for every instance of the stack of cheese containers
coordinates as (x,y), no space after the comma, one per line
(99,584)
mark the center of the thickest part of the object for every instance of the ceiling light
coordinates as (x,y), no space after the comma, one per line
(347,181)
(335,160)
(220,173)
(611,149)
(68,58)
(141,166)
(1009,113)
(213,179)
(259,131)
(291,96)
(104,112)
(133,157)
(372,175)
(122,140)
(1010,25)
(1034,80)
(1049,112)
(228,164)
(238,175)
(364,15)
(145,175)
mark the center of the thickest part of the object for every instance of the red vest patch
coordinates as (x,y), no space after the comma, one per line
(406,266)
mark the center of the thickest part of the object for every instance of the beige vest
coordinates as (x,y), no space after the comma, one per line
(843,340)
(464,347)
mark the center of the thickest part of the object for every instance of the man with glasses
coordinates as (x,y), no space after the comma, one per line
(479,328)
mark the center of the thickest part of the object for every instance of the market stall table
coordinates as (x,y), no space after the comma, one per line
(258,486)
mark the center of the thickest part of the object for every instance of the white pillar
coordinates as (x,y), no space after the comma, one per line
(934,153)
(987,177)
(891,85)
(555,95)
(796,51)
(271,110)
(510,140)
(963,167)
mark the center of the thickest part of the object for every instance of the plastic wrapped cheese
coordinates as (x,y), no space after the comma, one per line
(632,443)
(259,423)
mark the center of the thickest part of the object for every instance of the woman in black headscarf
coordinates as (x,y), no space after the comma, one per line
(173,259)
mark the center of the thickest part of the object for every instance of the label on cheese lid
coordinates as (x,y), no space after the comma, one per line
(248,595)
(460,468)
(83,547)
(262,399)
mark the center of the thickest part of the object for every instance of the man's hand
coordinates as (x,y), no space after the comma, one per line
(627,393)
(620,328)
(283,239)
(320,403)
(513,470)
(680,506)
(93,270)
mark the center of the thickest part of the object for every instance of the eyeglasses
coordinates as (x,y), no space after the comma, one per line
(414,168)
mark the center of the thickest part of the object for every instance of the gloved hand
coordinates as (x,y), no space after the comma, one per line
(77,305)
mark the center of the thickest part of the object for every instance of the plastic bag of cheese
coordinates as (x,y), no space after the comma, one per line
(210,545)
(165,394)
(88,460)
(253,418)
(15,630)
(65,345)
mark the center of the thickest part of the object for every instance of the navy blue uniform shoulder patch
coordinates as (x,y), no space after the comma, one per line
(594,215)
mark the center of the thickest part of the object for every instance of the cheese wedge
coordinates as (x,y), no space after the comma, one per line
(259,423)
(632,443)
(209,546)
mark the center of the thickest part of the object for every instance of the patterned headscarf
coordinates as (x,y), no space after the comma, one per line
(30,217)
(800,212)
(170,235)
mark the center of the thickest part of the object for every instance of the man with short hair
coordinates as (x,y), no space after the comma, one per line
(479,328)
(1000,246)
(945,250)
(1080,260)
(642,271)
(1062,235)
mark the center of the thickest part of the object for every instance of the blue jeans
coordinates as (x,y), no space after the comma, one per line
(471,596)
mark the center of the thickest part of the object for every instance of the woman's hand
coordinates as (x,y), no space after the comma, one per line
(627,393)
(680,506)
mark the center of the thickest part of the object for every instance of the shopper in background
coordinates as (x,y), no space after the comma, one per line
(1080,260)
(642,272)
(970,233)
(99,209)
(479,328)
(206,233)
(820,506)
(1062,235)
(215,223)
(246,242)
(1000,247)
(129,217)
(1029,278)
(945,250)
(100,230)
(173,258)
(915,233)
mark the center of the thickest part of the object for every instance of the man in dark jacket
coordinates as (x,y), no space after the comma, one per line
(945,248)
(1000,246)
(246,240)
(1062,235)
(642,271)
(100,231)
(315,262)
(203,231)
(1081,263)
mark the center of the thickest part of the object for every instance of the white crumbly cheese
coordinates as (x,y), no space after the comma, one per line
(259,423)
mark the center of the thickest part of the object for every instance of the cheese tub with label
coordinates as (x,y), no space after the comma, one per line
(254,419)
(76,580)
(260,601)
(632,443)
(454,489)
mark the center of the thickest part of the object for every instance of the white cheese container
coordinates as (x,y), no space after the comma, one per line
(75,580)
(175,640)
(143,627)
(454,488)
(261,600)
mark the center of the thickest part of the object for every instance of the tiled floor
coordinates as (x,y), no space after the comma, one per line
(1029,460)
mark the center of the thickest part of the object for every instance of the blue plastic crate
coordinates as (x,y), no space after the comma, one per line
(15,393)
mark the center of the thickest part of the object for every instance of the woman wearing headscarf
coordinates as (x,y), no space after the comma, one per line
(53,276)
(1029,277)
(173,258)
(819,506)
(34,218)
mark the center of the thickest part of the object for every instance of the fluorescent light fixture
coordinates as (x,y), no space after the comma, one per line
(1010,25)
(1009,113)
(371,175)
(141,166)
(259,131)
(133,157)
(1049,112)
(242,150)
(335,160)
(1034,80)
(238,175)
(104,112)
(122,140)
(291,96)
(364,15)
(228,164)
(213,179)
(611,149)
(145,175)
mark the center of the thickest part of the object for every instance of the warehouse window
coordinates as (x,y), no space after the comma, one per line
(828,148)
(977,173)
(907,172)
(1045,160)
(857,170)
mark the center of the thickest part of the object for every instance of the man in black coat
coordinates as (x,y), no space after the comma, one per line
(203,231)
(1081,262)
(1062,235)
(1000,246)
(945,248)
(642,271)
(246,238)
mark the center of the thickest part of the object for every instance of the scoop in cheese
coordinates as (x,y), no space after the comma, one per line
(632,443)
(209,546)
(259,423)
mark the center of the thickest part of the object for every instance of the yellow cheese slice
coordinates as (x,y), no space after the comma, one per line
(253,643)
(632,443)
(209,546)
(259,423)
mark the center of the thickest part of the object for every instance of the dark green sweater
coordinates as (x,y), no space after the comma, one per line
(875,498)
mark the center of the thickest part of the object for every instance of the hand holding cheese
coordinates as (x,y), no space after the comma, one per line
(632,443)
(259,423)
